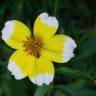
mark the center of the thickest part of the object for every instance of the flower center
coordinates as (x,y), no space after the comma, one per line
(33,46)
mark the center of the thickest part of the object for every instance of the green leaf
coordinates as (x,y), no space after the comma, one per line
(74,73)
(59,93)
(68,90)
(42,90)
(87,92)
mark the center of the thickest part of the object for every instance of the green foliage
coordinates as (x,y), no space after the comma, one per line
(77,18)
(42,90)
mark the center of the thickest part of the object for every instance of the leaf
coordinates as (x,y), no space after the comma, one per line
(68,90)
(59,93)
(87,92)
(74,73)
(42,90)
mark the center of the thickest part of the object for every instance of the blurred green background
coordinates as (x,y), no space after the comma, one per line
(77,18)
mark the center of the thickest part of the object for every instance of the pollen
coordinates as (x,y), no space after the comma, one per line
(33,46)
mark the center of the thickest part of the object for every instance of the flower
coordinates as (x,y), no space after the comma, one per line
(35,53)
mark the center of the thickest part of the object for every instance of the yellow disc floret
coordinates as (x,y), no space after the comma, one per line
(33,46)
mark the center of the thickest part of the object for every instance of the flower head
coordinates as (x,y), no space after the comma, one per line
(35,53)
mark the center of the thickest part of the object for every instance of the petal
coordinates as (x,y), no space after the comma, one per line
(45,72)
(59,48)
(45,26)
(14,32)
(15,70)
(21,64)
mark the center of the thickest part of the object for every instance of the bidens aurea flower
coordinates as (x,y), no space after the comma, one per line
(35,52)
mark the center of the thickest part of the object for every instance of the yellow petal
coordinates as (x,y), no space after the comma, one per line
(59,48)
(52,56)
(14,32)
(45,26)
(24,64)
(45,72)
(17,64)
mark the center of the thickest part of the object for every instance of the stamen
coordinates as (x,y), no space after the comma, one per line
(33,46)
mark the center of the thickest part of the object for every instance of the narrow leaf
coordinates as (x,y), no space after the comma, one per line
(74,73)
(42,90)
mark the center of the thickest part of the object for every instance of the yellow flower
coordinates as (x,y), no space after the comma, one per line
(35,52)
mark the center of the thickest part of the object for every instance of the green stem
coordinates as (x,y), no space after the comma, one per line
(55,8)
(50,89)
(49,92)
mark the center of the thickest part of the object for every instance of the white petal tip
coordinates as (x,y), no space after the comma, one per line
(7,30)
(69,46)
(15,71)
(42,79)
(49,20)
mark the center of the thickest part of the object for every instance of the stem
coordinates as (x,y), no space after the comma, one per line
(50,89)
(55,8)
